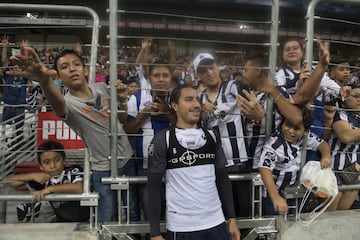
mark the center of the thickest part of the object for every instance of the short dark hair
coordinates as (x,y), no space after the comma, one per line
(337,61)
(259,60)
(50,146)
(308,117)
(159,63)
(66,52)
(131,79)
(176,92)
(175,95)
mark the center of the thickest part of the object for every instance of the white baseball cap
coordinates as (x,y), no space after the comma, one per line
(203,59)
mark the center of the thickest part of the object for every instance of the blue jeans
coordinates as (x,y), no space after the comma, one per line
(107,209)
(107,199)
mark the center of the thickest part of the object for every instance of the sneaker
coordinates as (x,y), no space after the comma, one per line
(22,211)
(27,211)
(349,174)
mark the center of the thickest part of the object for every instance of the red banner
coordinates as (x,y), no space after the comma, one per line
(50,127)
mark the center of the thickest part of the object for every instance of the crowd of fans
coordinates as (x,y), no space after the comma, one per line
(321,104)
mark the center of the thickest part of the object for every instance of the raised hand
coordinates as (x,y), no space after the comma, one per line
(146,43)
(250,106)
(5,40)
(345,92)
(24,44)
(122,92)
(171,46)
(31,67)
(323,52)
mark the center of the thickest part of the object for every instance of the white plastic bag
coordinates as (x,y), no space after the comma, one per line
(323,183)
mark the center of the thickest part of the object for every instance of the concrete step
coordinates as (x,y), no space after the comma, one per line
(48,231)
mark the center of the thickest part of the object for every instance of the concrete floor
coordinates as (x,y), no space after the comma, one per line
(48,231)
(338,225)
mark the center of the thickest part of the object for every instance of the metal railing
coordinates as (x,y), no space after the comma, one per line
(297,192)
(17,145)
(122,183)
(87,198)
(257,223)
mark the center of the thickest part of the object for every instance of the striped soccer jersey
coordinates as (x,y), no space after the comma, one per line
(68,211)
(227,120)
(284,159)
(341,153)
(255,130)
(287,78)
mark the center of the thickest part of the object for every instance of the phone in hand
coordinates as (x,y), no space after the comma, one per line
(241,87)
(158,97)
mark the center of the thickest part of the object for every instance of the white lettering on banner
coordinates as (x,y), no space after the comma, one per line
(210,28)
(173,26)
(48,129)
(198,28)
(134,24)
(147,25)
(159,26)
(185,27)
(58,128)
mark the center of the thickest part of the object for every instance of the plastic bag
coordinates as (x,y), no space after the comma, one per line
(321,182)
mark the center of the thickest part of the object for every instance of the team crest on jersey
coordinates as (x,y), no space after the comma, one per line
(151,149)
(188,158)
(269,160)
(343,116)
(174,150)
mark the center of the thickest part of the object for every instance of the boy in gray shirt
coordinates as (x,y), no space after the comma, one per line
(85,110)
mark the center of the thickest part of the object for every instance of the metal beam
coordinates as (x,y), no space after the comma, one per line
(43,21)
(143,227)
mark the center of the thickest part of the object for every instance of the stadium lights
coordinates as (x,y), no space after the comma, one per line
(243,26)
(31,16)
